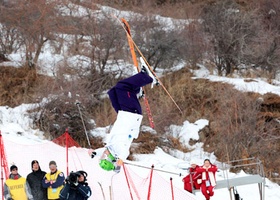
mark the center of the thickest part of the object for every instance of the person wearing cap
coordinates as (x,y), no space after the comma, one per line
(34,179)
(16,187)
(53,181)
(208,178)
(124,99)
(190,181)
(76,187)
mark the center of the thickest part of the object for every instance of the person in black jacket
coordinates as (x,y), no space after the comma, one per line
(34,180)
(76,187)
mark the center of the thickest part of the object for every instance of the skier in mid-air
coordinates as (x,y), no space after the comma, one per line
(124,99)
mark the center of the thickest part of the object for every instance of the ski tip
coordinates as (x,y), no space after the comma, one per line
(142,61)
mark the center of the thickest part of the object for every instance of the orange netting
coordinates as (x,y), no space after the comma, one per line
(154,186)
(104,185)
(66,140)
(3,158)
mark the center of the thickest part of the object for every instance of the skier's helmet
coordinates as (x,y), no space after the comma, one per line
(106,165)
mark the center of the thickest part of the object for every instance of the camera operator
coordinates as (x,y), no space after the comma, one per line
(76,187)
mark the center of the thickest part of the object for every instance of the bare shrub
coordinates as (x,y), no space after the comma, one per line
(266,50)
(195,46)
(147,142)
(60,114)
(236,124)
(231,30)
(194,97)
(269,128)
(144,143)
(17,85)
(158,45)
(9,40)
(34,21)
(243,127)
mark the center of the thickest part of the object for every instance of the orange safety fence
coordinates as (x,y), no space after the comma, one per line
(104,185)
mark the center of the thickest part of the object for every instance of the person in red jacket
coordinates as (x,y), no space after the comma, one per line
(190,181)
(208,179)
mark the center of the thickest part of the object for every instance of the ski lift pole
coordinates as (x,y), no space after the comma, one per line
(78,105)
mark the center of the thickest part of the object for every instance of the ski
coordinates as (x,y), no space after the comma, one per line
(133,54)
(103,194)
(141,54)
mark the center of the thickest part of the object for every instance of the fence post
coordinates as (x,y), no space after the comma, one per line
(4,164)
(66,147)
(172,191)
(150,184)
(1,160)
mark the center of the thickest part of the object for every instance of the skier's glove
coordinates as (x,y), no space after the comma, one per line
(93,154)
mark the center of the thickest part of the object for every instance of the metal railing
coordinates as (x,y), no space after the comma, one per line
(251,166)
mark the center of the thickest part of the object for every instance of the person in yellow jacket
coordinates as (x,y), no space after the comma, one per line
(53,181)
(16,187)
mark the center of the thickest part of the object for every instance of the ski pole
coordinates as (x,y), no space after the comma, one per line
(133,54)
(78,105)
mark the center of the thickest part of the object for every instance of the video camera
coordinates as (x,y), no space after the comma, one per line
(73,177)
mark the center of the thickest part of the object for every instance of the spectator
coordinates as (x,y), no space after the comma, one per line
(16,187)
(208,179)
(190,181)
(76,187)
(34,180)
(53,181)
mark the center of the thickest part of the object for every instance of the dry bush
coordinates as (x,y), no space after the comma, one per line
(96,142)
(244,127)
(61,111)
(104,115)
(194,97)
(169,143)
(170,8)
(147,142)
(195,45)
(267,48)
(235,125)
(269,129)
(60,114)
(34,23)
(161,47)
(231,32)
(16,85)
(241,125)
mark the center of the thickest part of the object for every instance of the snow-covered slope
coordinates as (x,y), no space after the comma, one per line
(24,144)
